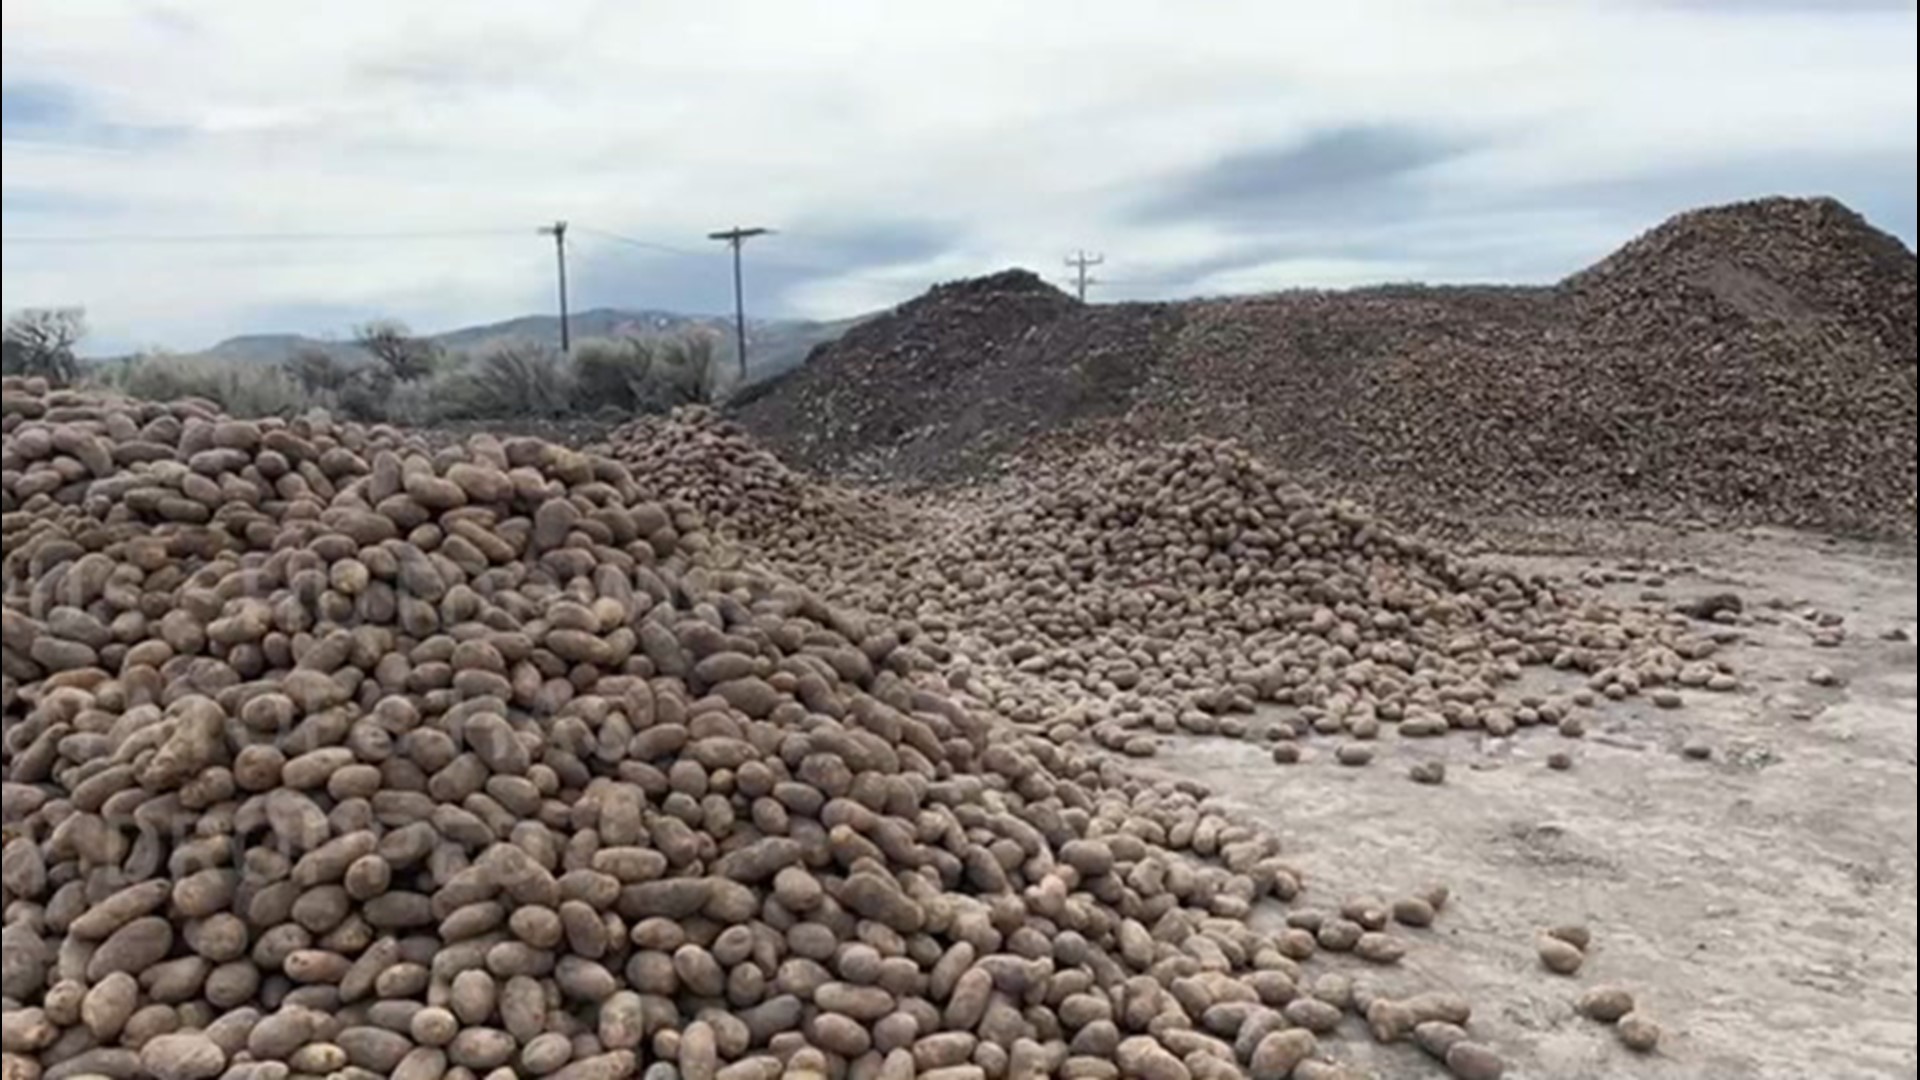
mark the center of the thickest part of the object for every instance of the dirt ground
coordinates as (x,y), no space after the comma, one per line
(1759,903)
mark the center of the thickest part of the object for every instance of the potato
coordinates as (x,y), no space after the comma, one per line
(1559,956)
(1145,1058)
(1312,1014)
(1354,754)
(1413,911)
(1437,1037)
(1638,1032)
(1573,934)
(1280,1053)
(1378,948)
(1606,1004)
(1469,1060)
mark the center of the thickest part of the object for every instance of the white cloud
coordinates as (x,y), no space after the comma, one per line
(1022,130)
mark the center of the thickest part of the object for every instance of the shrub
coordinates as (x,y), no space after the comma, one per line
(243,389)
(415,404)
(320,371)
(686,371)
(612,373)
(518,378)
(644,374)
(367,394)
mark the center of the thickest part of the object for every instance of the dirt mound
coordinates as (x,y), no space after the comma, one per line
(1744,364)
(1752,362)
(1778,260)
(943,384)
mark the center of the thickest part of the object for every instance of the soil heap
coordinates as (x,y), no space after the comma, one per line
(1753,363)
(946,382)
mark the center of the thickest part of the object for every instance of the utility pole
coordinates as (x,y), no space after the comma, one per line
(1081,261)
(734,237)
(558,230)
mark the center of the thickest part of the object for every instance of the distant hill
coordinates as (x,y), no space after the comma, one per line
(774,346)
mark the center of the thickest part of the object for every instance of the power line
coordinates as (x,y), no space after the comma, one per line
(648,245)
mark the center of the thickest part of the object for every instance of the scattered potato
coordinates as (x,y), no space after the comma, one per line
(1574,934)
(1413,911)
(1606,1003)
(1468,1060)
(1560,957)
(1639,1032)
(1354,755)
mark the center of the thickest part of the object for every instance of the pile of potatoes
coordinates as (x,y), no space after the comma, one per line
(1125,595)
(818,533)
(1177,590)
(327,753)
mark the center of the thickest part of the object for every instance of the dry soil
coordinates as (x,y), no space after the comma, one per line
(1760,903)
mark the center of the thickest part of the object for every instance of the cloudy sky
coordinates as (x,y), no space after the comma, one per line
(189,169)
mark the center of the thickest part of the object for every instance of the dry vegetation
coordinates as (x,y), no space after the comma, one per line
(401,378)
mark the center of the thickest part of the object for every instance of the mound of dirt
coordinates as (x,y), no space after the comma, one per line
(1744,364)
(1769,261)
(969,371)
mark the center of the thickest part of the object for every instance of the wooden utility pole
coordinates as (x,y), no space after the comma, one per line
(734,237)
(558,230)
(1081,262)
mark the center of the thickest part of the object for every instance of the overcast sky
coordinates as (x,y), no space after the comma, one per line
(1203,147)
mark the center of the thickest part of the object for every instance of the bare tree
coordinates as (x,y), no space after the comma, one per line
(406,357)
(40,341)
